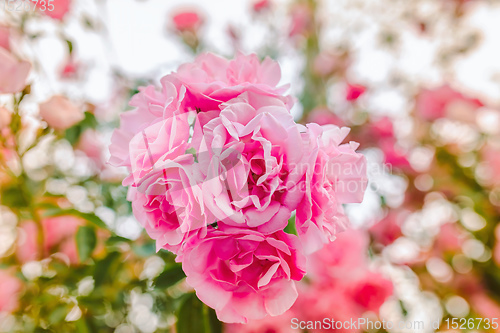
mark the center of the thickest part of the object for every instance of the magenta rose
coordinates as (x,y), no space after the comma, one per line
(244,274)
(335,175)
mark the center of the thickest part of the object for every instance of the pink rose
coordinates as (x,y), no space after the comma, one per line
(60,113)
(244,274)
(354,91)
(5,37)
(59,236)
(13,73)
(257,138)
(165,182)
(10,288)
(187,21)
(446,102)
(61,8)
(336,174)
(278,324)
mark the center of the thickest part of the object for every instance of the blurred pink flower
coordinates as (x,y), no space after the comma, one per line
(91,144)
(394,155)
(301,15)
(354,91)
(10,288)
(445,102)
(370,291)
(187,21)
(261,5)
(58,236)
(324,116)
(449,239)
(335,175)
(244,274)
(60,113)
(5,37)
(70,69)
(5,117)
(327,63)
(13,73)
(61,8)
(388,229)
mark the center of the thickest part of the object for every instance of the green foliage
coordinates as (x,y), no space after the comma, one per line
(86,241)
(194,316)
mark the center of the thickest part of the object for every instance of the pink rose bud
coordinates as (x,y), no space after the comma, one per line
(13,73)
(60,113)
(354,91)
(187,21)
(5,37)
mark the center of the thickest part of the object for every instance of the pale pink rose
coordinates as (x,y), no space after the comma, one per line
(244,274)
(13,73)
(256,163)
(91,144)
(202,85)
(60,113)
(445,102)
(61,8)
(381,128)
(211,79)
(10,288)
(5,117)
(58,236)
(5,37)
(187,21)
(336,174)
(166,181)
(354,91)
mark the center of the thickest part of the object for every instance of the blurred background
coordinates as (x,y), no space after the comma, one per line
(418,83)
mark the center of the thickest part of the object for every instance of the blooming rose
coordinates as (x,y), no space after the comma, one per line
(202,85)
(336,174)
(60,113)
(10,287)
(165,182)
(13,73)
(244,274)
(260,188)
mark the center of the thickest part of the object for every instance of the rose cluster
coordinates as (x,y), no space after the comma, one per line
(218,168)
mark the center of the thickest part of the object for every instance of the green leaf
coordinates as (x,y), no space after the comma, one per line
(87,216)
(194,316)
(170,276)
(13,197)
(86,241)
(144,250)
(291,228)
(104,267)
